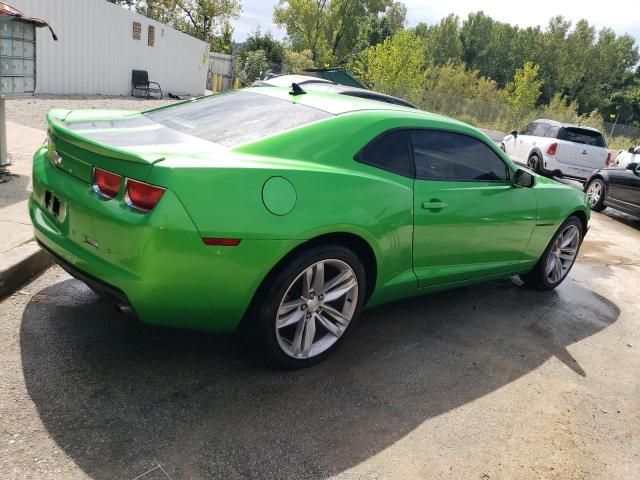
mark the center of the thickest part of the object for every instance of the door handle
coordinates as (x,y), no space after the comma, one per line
(584,152)
(434,205)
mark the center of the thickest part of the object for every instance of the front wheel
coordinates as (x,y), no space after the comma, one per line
(310,306)
(559,256)
(595,194)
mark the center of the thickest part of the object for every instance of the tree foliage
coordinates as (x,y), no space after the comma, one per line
(273,49)
(253,66)
(333,30)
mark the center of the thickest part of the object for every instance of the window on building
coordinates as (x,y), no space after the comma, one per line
(137,30)
(151,37)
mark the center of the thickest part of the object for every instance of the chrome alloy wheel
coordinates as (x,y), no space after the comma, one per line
(563,254)
(594,192)
(316,308)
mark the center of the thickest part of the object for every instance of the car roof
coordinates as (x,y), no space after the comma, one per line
(555,123)
(338,104)
(321,84)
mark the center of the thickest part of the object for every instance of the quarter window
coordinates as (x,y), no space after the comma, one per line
(454,157)
(540,129)
(552,132)
(390,152)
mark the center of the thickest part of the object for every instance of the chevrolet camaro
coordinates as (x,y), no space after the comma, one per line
(282,213)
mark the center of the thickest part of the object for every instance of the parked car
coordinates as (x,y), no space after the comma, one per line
(284,213)
(615,187)
(624,157)
(553,148)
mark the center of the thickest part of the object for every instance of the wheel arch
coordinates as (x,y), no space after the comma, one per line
(356,243)
(582,216)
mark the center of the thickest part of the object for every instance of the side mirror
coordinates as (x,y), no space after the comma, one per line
(522,178)
(514,133)
(631,150)
(632,166)
(637,151)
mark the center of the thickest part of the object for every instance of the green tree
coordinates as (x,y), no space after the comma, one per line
(442,41)
(296,62)
(525,89)
(273,49)
(333,30)
(395,66)
(200,18)
(253,66)
(223,43)
(383,26)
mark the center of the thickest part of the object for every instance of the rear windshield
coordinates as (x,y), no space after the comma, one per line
(235,118)
(581,135)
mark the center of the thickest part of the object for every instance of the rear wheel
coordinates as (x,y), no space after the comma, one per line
(559,256)
(310,306)
(534,163)
(595,194)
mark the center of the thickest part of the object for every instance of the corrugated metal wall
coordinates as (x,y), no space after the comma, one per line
(96,52)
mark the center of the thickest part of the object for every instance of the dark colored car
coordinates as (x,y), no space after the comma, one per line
(617,188)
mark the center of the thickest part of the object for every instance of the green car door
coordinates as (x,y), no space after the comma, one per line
(470,221)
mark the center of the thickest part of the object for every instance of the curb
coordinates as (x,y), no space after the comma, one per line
(21,264)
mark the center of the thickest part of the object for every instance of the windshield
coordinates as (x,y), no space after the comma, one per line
(235,118)
(581,135)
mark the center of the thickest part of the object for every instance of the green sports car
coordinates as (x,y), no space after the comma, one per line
(282,213)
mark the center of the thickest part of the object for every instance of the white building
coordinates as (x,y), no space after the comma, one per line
(99,43)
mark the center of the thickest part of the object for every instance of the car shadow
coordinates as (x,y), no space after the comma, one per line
(622,217)
(120,397)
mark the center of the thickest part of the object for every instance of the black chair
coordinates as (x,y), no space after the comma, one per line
(140,81)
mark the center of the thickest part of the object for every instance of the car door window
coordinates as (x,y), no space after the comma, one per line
(390,152)
(455,157)
(528,129)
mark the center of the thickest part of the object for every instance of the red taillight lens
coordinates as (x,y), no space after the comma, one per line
(142,195)
(551,150)
(108,183)
(609,159)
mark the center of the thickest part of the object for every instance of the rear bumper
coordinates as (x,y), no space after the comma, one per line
(104,289)
(155,262)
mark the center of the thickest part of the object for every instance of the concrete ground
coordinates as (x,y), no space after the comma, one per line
(494,381)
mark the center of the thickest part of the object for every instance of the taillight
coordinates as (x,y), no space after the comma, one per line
(551,149)
(106,183)
(143,196)
(609,159)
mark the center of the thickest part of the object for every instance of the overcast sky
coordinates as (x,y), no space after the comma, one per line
(621,15)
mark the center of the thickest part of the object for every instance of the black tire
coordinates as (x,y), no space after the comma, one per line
(599,205)
(534,163)
(538,277)
(262,324)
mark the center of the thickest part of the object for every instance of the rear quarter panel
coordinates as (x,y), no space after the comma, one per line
(556,202)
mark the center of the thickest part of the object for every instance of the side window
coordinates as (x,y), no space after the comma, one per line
(540,130)
(455,157)
(390,152)
(528,129)
(552,132)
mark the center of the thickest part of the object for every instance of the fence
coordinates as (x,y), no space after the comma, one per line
(220,77)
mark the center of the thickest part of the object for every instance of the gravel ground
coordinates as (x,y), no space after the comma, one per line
(495,381)
(30,111)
